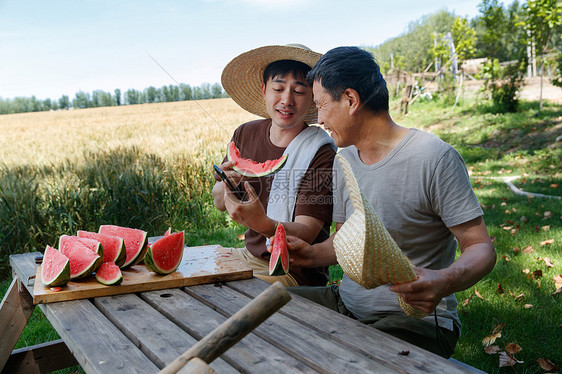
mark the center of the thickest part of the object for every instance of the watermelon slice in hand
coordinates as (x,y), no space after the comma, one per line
(165,254)
(279,260)
(135,240)
(251,168)
(55,269)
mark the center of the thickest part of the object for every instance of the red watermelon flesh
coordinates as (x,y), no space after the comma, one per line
(113,247)
(83,261)
(94,245)
(109,274)
(55,269)
(251,168)
(164,255)
(279,260)
(135,240)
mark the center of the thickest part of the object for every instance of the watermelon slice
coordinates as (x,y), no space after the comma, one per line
(135,240)
(279,260)
(251,168)
(83,261)
(55,269)
(164,255)
(113,247)
(109,274)
(94,245)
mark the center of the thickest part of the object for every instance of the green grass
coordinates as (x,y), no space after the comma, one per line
(133,188)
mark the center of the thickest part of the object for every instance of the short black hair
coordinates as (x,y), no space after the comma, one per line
(281,68)
(352,67)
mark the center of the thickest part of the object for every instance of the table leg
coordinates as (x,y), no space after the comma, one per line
(15,310)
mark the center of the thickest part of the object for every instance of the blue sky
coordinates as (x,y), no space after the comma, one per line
(51,48)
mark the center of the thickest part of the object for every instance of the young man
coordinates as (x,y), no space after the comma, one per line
(419,188)
(271,82)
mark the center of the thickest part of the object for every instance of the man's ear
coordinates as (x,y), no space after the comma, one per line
(263,89)
(352,100)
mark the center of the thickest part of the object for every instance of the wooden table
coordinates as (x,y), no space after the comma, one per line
(143,332)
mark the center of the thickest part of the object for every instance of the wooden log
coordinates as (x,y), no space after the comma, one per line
(15,310)
(40,358)
(235,328)
(196,366)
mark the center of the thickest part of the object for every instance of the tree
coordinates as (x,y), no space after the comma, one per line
(186,92)
(216,91)
(117,96)
(64,102)
(133,96)
(465,39)
(542,16)
(494,22)
(81,100)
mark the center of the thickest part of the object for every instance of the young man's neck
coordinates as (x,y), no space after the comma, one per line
(377,136)
(281,137)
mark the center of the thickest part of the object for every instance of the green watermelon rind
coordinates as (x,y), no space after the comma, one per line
(248,164)
(142,254)
(61,279)
(110,282)
(278,269)
(151,265)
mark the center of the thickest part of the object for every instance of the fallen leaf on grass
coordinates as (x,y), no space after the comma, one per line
(500,289)
(546,261)
(537,273)
(524,219)
(547,214)
(528,249)
(558,291)
(478,293)
(516,249)
(557,281)
(547,242)
(492,349)
(525,271)
(528,306)
(554,185)
(548,365)
(506,360)
(466,301)
(506,259)
(513,348)
(546,228)
(491,339)
(241,237)
(507,228)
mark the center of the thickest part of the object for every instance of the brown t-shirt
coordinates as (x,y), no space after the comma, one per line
(314,197)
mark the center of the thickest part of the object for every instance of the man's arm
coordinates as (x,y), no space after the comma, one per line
(477,259)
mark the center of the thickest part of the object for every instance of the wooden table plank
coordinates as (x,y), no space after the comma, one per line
(357,336)
(251,355)
(159,338)
(306,345)
(99,347)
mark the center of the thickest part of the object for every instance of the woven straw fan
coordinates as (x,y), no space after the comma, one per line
(366,251)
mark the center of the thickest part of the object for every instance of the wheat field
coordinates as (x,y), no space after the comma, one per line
(165,129)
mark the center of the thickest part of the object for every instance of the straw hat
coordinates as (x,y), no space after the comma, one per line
(242,78)
(364,248)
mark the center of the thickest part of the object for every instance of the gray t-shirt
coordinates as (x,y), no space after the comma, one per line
(419,190)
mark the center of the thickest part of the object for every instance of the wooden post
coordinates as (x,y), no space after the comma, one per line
(234,328)
(15,310)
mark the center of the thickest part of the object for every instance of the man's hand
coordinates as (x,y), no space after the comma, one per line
(426,292)
(250,213)
(302,254)
(220,187)
(476,260)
